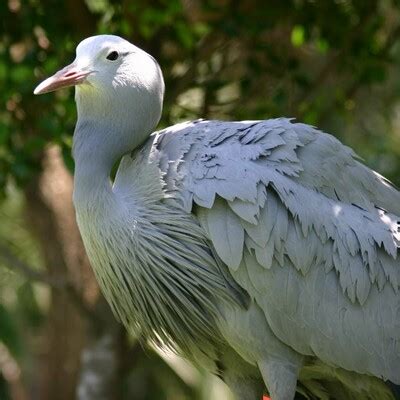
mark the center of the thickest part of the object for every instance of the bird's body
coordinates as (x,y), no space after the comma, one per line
(263,250)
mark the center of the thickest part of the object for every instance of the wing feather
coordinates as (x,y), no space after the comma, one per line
(226,233)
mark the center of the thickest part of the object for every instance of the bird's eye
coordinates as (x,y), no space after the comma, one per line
(112,56)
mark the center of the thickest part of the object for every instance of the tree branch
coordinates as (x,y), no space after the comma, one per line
(14,263)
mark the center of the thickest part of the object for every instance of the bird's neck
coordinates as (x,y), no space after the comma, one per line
(91,182)
(94,160)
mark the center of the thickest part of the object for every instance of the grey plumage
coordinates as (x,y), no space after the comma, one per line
(263,246)
(319,261)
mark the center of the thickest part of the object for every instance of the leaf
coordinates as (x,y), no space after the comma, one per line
(8,332)
(297,36)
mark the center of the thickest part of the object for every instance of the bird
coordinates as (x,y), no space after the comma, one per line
(264,251)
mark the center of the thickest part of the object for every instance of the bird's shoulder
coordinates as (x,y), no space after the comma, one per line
(229,159)
(208,158)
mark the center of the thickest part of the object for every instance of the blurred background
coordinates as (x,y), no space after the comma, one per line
(332,63)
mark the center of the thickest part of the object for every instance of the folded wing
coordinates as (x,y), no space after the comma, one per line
(309,231)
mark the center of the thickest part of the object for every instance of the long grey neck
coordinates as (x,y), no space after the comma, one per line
(94,157)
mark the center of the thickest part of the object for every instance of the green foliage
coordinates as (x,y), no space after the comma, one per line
(9,334)
(4,392)
(297,36)
(28,310)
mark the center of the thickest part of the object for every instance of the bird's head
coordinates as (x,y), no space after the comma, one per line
(116,83)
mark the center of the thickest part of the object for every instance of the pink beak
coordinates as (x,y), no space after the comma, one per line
(68,76)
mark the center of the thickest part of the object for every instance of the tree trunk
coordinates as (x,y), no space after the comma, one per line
(80,329)
(51,219)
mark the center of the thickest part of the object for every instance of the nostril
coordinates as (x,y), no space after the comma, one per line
(68,74)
